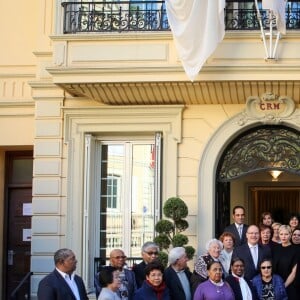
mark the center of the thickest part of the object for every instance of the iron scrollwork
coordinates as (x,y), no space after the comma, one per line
(263,149)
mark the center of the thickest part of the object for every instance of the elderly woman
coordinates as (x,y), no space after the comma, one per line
(267,284)
(200,274)
(214,288)
(153,288)
(266,233)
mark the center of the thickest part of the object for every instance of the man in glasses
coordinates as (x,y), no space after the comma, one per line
(128,286)
(149,253)
(252,252)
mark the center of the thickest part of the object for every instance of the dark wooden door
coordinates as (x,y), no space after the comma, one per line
(280,201)
(19,237)
(18,212)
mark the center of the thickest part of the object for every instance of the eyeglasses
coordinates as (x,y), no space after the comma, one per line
(120,257)
(266,267)
(152,253)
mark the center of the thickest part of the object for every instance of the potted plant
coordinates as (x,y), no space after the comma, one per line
(170,230)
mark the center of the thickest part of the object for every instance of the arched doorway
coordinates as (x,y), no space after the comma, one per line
(259,149)
(212,213)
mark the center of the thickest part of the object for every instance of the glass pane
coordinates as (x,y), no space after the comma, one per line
(22,170)
(111,216)
(142,196)
(127,197)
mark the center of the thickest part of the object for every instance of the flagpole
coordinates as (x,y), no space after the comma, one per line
(270,33)
(261,29)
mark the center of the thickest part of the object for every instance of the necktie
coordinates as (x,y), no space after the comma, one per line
(240,231)
(254,255)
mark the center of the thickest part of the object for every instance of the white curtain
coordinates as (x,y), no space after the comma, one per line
(197,26)
(278,8)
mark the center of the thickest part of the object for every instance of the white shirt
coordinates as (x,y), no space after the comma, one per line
(107,294)
(246,292)
(254,253)
(71,282)
(225,259)
(185,284)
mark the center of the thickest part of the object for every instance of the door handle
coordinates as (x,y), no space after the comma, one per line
(10,257)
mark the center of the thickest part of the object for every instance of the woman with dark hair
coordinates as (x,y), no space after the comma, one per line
(110,282)
(266,218)
(214,288)
(296,236)
(241,287)
(153,288)
(266,234)
(267,284)
(294,221)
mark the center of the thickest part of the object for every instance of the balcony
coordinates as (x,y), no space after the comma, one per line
(122,53)
(125,16)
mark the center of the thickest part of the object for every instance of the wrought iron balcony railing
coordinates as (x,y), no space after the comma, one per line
(119,16)
(110,16)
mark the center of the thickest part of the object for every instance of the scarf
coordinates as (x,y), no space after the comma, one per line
(159,290)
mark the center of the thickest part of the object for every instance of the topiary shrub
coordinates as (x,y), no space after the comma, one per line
(170,231)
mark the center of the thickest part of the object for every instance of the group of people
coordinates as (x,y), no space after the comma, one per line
(148,280)
(250,262)
(244,263)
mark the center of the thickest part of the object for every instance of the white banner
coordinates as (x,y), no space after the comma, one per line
(197,26)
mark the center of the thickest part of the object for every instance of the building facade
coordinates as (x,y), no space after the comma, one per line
(99,125)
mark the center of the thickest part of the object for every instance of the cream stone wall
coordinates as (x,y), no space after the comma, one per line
(199,123)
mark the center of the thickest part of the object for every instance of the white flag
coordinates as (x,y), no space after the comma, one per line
(278,8)
(197,26)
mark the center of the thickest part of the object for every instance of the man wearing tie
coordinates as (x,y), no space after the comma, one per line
(251,252)
(62,283)
(238,228)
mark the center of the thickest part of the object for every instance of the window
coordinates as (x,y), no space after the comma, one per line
(126,175)
(122,192)
(113,187)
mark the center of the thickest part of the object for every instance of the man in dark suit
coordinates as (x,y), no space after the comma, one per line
(242,287)
(62,283)
(238,228)
(252,253)
(177,276)
(149,253)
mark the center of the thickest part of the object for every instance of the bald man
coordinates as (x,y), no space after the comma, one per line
(252,252)
(128,286)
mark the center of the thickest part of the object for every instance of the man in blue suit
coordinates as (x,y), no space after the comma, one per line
(62,283)
(251,252)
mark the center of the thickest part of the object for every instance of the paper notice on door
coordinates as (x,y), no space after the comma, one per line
(27,209)
(26,235)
